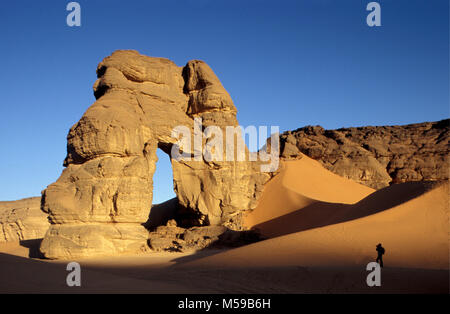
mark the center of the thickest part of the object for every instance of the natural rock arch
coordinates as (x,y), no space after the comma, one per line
(101,200)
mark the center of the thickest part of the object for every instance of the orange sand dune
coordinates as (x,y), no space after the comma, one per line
(415,234)
(306,196)
(319,214)
(300,184)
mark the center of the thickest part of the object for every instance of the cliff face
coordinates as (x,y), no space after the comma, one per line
(375,156)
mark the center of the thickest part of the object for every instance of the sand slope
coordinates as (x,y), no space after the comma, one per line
(410,220)
(300,184)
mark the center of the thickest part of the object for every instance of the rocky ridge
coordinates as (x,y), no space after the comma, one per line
(376,156)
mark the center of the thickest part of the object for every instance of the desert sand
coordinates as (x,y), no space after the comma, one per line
(409,219)
(321,232)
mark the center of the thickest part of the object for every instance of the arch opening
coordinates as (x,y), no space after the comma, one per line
(165,203)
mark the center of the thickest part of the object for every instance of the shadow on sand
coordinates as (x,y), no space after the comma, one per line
(321,214)
(24,275)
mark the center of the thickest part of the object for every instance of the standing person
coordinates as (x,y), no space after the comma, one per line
(380,251)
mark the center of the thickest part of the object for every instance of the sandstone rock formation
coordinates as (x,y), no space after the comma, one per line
(104,195)
(22,220)
(375,156)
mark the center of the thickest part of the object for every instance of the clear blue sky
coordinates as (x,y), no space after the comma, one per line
(286,63)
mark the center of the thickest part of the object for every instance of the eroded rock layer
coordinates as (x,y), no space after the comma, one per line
(22,220)
(376,156)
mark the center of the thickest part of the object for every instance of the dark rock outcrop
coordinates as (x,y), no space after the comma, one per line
(172,238)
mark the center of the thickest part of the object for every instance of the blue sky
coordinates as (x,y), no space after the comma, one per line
(285,63)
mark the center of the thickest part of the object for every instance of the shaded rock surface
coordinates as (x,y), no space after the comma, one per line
(176,239)
(104,195)
(375,156)
(22,220)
